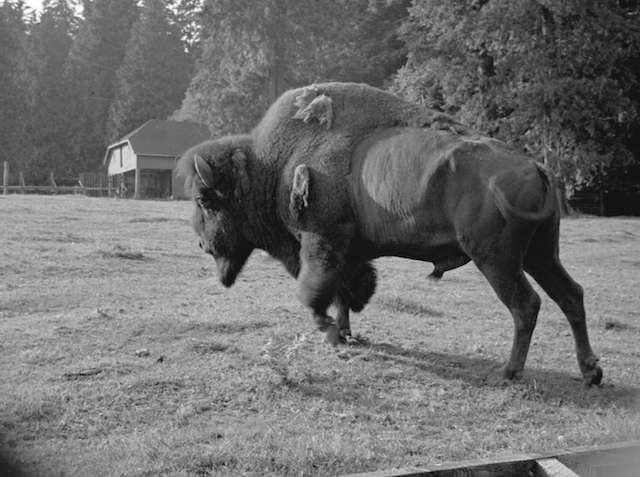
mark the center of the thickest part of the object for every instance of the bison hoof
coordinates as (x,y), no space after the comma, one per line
(512,374)
(592,374)
(323,322)
(333,335)
(594,378)
(347,339)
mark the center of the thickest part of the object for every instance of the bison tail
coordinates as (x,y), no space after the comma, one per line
(508,211)
(361,286)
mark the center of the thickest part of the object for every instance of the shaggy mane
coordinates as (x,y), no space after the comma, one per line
(209,151)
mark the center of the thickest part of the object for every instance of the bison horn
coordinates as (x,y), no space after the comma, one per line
(203,169)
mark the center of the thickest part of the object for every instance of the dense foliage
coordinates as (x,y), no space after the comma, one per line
(154,74)
(257,49)
(97,52)
(13,97)
(557,78)
(48,129)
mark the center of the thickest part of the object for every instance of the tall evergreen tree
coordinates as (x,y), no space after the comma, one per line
(97,52)
(188,17)
(13,103)
(256,49)
(376,50)
(48,45)
(154,75)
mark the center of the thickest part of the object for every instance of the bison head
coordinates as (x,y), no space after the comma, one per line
(216,174)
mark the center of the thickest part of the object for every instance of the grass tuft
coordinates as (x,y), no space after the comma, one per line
(615,325)
(118,251)
(404,305)
(239,327)
(209,347)
(285,358)
(240,393)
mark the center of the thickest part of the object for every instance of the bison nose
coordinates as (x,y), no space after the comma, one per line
(205,248)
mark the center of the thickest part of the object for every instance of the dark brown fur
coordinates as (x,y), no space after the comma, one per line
(237,214)
(384,177)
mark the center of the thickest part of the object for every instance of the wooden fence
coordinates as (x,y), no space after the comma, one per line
(588,202)
(88,183)
(96,184)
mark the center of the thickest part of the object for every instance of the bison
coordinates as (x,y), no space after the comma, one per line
(338,174)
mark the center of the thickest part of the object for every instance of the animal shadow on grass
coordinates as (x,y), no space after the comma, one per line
(566,386)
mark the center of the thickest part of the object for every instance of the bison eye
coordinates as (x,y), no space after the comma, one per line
(205,203)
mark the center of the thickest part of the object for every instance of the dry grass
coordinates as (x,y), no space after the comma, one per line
(236,382)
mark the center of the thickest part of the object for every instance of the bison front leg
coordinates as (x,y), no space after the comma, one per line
(343,324)
(342,315)
(322,260)
(358,285)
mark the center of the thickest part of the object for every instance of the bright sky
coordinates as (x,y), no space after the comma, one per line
(35,4)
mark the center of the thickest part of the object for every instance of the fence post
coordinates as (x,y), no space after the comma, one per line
(5,178)
(81,184)
(52,181)
(136,184)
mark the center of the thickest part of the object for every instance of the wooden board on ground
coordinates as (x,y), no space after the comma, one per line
(614,460)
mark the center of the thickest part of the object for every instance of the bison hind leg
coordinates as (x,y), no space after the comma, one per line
(503,271)
(569,296)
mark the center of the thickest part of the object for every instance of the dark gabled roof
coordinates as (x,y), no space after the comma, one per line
(159,137)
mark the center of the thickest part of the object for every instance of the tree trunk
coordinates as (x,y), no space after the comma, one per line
(276,18)
(275,79)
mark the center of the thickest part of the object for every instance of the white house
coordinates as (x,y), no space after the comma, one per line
(142,163)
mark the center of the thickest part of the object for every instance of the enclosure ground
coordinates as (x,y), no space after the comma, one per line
(121,354)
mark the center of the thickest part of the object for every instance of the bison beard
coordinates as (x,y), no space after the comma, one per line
(228,271)
(359,285)
(338,174)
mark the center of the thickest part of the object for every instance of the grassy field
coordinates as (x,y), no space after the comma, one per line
(122,355)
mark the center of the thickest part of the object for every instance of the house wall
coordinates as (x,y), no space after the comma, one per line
(165,163)
(155,183)
(121,159)
(156,162)
(149,166)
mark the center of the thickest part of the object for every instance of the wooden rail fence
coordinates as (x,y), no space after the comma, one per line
(87,183)
(588,202)
(612,460)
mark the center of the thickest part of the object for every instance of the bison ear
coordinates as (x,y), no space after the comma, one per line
(299,199)
(204,171)
(239,161)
